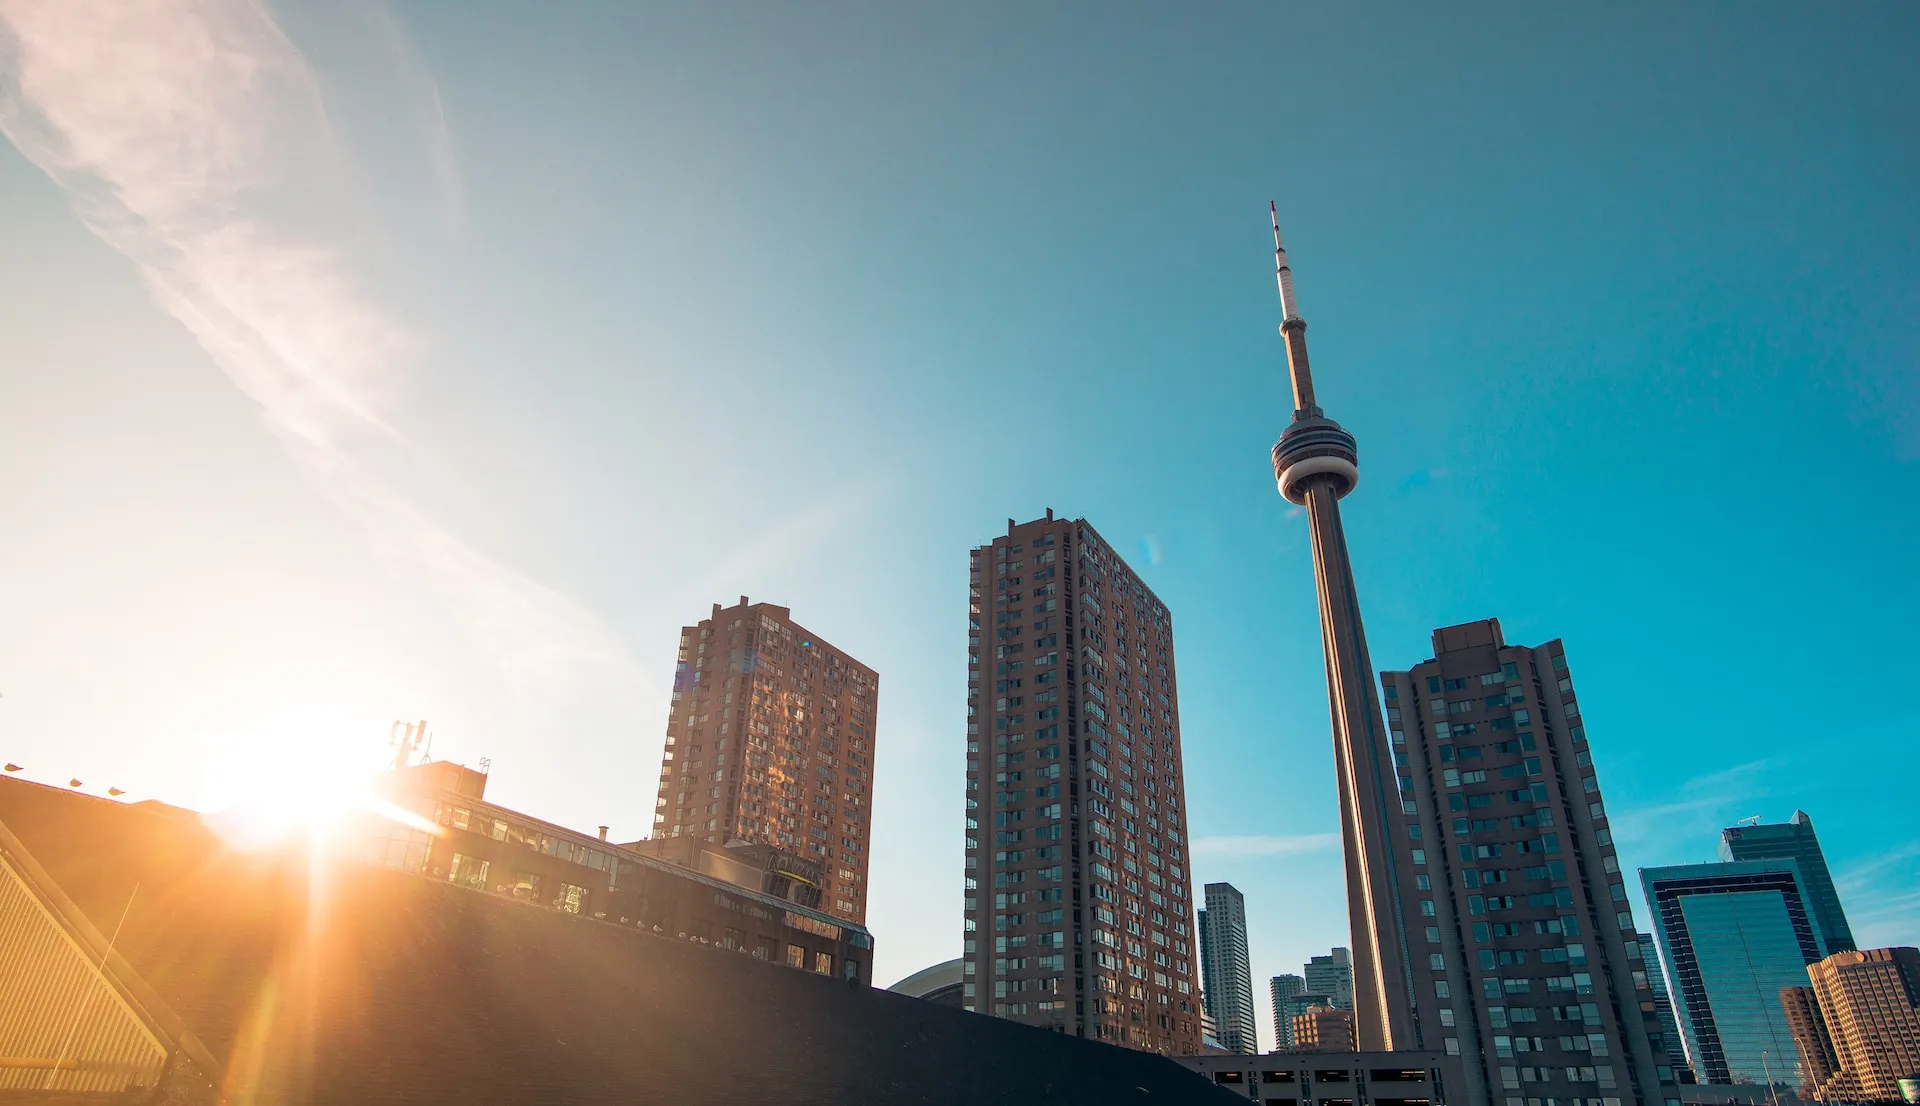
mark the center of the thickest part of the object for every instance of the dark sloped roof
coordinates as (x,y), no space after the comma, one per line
(324,982)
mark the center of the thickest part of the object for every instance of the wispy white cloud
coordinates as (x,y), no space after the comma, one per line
(1266,844)
(1707,798)
(191,136)
(1863,874)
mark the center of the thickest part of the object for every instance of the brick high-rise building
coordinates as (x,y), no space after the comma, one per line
(1523,957)
(770,740)
(1078,896)
(1859,1032)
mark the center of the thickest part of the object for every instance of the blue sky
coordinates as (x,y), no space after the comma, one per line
(440,361)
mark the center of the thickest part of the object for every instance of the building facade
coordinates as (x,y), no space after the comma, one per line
(1323,1029)
(741,902)
(1226,969)
(1795,840)
(1864,1030)
(1524,958)
(1331,975)
(770,739)
(1077,893)
(1732,936)
(1281,988)
(1404,1078)
(1671,1041)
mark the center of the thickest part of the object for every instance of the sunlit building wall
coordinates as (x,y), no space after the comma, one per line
(1077,891)
(771,740)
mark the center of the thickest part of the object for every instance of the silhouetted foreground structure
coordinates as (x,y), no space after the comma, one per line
(1405,1078)
(276,977)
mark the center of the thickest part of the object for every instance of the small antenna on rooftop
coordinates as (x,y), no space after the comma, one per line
(406,739)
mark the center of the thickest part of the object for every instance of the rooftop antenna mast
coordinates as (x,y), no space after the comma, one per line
(406,740)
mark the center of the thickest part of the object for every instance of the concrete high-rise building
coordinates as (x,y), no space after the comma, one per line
(1281,988)
(1332,975)
(1858,1026)
(1323,1029)
(1226,970)
(1523,953)
(1670,1042)
(1077,889)
(770,740)
(1315,463)
(1732,936)
(1795,839)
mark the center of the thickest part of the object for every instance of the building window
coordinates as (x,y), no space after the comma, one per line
(468,872)
(572,899)
(796,956)
(823,963)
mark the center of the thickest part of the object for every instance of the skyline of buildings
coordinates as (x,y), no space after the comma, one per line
(770,739)
(1227,970)
(1731,936)
(1495,734)
(1078,908)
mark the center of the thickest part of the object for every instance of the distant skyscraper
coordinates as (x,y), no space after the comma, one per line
(1315,463)
(1332,975)
(1795,838)
(770,740)
(1859,1029)
(1670,1042)
(1077,887)
(1734,935)
(1227,973)
(1282,988)
(1525,958)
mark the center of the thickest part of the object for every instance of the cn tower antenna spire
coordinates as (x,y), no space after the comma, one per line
(1292,326)
(1282,272)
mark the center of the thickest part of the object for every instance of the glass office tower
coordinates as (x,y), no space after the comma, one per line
(1732,935)
(1795,838)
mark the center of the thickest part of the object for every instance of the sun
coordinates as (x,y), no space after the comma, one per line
(297,772)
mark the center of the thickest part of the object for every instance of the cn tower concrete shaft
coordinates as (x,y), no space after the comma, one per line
(1316,464)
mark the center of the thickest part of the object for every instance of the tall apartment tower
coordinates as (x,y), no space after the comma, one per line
(1226,968)
(1734,935)
(1315,463)
(1526,962)
(1794,839)
(1281,988)
(1332,975)
(1670,1042)
(1077,889)
(1858,1026)
(770,740)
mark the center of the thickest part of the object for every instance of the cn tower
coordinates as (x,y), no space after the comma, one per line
(1315,462)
